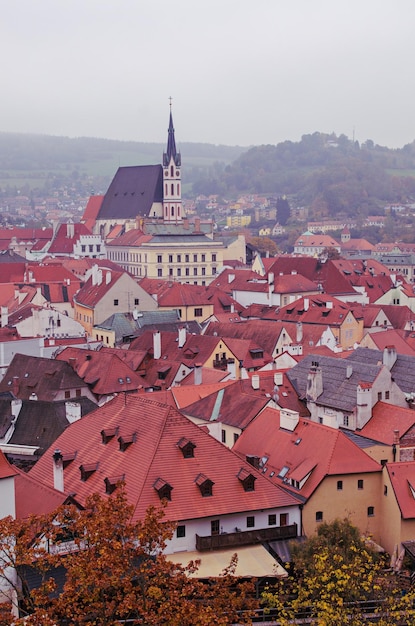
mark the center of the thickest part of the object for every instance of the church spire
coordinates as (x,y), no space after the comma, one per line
(171,152)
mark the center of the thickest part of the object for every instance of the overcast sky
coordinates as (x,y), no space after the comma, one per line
(240,72)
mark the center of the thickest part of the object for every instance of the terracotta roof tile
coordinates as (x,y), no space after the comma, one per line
(153,455)
(319,449)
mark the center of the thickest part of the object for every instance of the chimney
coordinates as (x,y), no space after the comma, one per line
(15,386)
(15,407)
(396,446)
(270,278)
(255,381)
(182,336)
(363,404)
(349,371)
(95,274)
(299,332)
(278,379)
(314,382)
(157,344)
(198,374)
(231,278)
(306,304)
(58,470)
(197,225)
(231,367)
(73,411)
(70,230)
(329,304)
(4,316)
(289,419)
(107,278)
(389,356)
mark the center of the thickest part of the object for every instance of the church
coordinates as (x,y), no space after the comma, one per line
(144,191)
(142,220)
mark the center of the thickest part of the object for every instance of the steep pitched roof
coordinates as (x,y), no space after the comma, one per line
(35,498)
(153,431)
(105,371)
(132,192)
(320,309)
(385,420)
(91,211)
(265,333)
(64,240)
(233,405)
(6,470)
(173,294)
(40,423)
(92,292)
(339,382)
(394,338)
(402,371)
(402,477)
(309,453)
(44,377)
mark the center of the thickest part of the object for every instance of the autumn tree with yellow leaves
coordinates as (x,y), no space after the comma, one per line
(337,580)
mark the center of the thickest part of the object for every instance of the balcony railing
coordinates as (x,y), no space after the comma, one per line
(244,538)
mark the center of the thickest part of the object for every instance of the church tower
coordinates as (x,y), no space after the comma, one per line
(172,184)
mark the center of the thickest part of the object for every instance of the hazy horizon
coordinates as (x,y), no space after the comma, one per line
(240,73)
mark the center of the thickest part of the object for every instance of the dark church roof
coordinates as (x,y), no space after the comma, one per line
(132,192)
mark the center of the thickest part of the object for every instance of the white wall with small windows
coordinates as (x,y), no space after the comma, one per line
(184,538)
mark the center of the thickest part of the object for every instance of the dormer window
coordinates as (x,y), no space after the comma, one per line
(68,458)
(257,353)
(125,442)
(87,470)
(163,489)
(205,485)
(247,479)
(112,483)
(107,434)
(187,447)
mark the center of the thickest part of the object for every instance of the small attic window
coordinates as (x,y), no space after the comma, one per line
(257,353)
(163,489)
(107,434)
(87,470)
(112,483)
(68,458)
(205,485)
(283,472)
(125,442)
(247,479)
(187,447)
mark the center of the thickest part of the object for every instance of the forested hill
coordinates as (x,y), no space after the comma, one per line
(323,171)
(328,173)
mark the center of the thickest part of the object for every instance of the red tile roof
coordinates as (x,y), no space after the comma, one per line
(172,294)
(63,243)
(91,211)
(325,449)
(34,498)
(6,470)
(155,430)
(402,477)
(385,420)
(102,370)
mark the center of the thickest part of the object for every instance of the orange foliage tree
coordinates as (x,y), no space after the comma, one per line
(114,569)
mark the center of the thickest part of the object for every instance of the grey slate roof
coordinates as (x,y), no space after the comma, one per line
(124,325)
(132,192)
(40,423)
(402,372)
(339,392)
